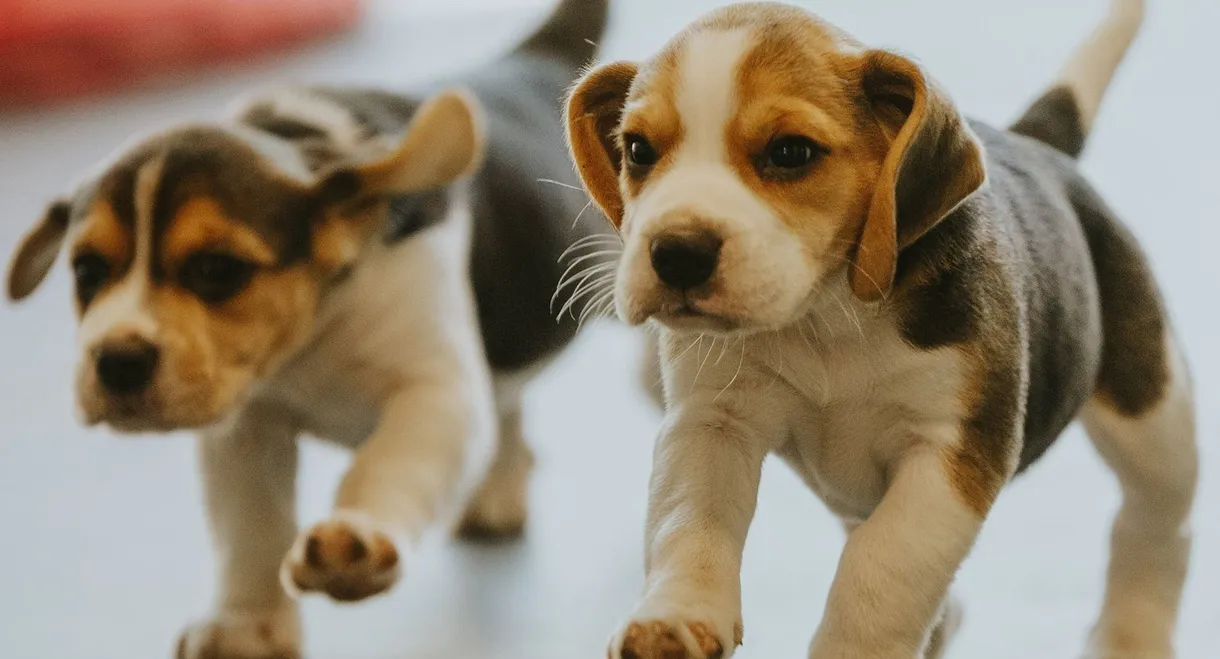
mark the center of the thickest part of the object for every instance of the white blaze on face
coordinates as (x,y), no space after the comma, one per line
(761,273)
(701,182)
(706,97)
(123,311)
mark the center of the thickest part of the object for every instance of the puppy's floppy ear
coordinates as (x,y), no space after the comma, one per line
(444,141)
(595,108)
(934,163)
(37,252)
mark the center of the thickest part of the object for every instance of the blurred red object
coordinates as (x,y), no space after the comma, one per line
(52,50)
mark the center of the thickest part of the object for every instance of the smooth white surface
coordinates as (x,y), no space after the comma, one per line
(103,550)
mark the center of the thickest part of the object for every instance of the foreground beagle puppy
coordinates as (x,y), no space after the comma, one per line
(366,267)
(905,305)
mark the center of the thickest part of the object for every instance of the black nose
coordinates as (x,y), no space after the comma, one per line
(127,367)
(685,260)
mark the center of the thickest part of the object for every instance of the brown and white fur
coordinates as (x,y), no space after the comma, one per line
(905,305)
(344,264)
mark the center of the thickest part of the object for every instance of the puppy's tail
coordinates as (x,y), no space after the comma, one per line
(571,33)
(1063,115)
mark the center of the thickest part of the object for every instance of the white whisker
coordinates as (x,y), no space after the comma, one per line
(561,184)
(584,289)
(740,363)
(601,269)
(852,317)
(581,214)
(589,241)
(704,362)
(692,345)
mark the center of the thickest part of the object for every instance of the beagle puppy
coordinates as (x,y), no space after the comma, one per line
(371,268)
(905,305)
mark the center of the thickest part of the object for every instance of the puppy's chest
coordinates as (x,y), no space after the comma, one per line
(866,398)
(390,319)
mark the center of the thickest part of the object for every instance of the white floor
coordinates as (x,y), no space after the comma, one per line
(103,551)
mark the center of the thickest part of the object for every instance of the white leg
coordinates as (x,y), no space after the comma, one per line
(706,470)
(898,564)
(1156,461)
(500,506)
(249,475)
(950,620)
(433,442)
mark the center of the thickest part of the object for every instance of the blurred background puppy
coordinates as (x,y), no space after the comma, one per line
(369,267)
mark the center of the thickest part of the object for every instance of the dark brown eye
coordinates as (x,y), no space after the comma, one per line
(639,152)
(215,276)
(91,272)
(791,152)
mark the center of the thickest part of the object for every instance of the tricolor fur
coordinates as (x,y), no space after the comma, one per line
(906,305)
(369,267)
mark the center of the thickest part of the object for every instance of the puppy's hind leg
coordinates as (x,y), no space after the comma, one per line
(499,508)
(1152,451)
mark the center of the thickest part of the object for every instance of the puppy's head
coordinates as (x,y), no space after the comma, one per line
(200,256)
(759,156)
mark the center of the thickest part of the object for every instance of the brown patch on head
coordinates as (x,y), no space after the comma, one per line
(800,80)
(201,224)
(651,113)
(102,252)
(894,155)
(103,234)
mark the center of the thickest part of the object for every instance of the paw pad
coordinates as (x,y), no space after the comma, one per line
(347,559)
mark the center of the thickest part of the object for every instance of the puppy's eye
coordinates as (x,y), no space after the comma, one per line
(639,152)
(91,272)
(792,152)
(215,276)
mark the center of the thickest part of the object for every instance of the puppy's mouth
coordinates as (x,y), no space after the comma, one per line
(142,414)
(687,314)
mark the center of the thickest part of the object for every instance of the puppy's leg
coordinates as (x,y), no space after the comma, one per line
(897,566)
(434,439)
(249,475)
(706,470)
(950,620)
(499,508)
(1155,458)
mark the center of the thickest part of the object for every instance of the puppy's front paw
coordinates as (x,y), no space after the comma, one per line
(243,636)
(673,639)
(346,557)
(1127,647)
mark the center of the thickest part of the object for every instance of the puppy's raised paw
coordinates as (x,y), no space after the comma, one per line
(243,636)
(658,639)
(347,557)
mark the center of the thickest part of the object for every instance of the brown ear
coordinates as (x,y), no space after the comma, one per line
(444,141)
(595,108)
(37,252)
(934,163)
